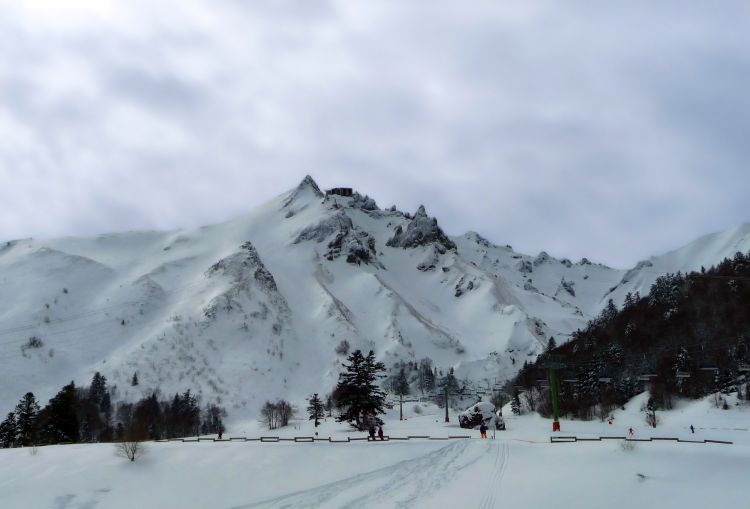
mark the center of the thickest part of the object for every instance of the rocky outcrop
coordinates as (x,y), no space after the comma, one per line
(422,230)
(358,246)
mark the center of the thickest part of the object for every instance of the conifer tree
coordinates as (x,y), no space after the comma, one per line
(315,409)
(401,384)
(134,380)
(27,412)
(329,405)
(357,393)
(59,419)
(8,431)
(450,382)
(98,388)
(515,403)
(551,344)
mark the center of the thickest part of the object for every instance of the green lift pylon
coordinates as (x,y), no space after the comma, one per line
(553,363)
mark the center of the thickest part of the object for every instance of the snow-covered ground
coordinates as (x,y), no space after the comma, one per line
(519,468)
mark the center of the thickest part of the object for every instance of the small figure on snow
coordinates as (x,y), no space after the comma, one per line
(371,431)
(483,430)
(221,433)
(631,432)
(692,429)
(380,433)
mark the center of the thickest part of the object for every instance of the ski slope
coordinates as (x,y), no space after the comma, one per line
(517,468)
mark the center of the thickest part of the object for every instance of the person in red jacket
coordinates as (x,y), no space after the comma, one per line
(483,430)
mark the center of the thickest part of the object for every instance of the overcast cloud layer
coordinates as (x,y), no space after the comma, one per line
(611,130)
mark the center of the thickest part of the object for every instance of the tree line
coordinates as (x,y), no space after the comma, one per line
(690,337)
(87,414)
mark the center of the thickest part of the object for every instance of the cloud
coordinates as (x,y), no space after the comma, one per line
(609,131)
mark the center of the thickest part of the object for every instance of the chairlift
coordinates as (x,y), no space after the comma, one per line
(743,367)
(709,368)
(646,377)
(683,374)
(605,379)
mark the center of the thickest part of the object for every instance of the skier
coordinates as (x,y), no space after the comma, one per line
(371,430)
(483,430)
(631,432)
(221,433)
(692,429)
(380,433)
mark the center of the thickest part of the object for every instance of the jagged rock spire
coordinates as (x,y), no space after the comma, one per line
(421,230)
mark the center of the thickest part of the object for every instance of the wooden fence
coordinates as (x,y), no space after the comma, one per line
(568,439)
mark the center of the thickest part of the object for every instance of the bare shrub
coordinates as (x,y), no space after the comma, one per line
(627,446)
(417,409)
(33,342)
(276,415)
(130,449)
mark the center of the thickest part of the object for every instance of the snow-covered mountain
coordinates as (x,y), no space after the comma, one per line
(260,307)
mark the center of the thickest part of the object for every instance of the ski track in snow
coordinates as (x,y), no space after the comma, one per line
(399,486)
(495,479)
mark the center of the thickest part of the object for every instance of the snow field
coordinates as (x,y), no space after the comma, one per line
(518,468)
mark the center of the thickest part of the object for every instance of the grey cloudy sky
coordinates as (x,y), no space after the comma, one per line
(612,130)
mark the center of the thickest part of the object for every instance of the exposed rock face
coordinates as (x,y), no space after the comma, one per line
(524,266)
(364,202)
(465,285)
(357,245)
(529,287)
(567,286)
(541,258)
(248,273)
(336,223)
(421,231)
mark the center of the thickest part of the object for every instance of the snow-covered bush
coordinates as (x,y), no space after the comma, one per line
(475,415)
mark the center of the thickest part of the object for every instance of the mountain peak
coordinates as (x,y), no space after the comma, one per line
(307,186)
(309,183)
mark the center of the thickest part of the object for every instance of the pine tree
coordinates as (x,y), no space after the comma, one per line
(134,380)
(8,431)
(27,412)
(59,419)
(450,382)
(426,377)
(98,388)
(329,405)
(401,384)
(515,403)
(551,344)
(357,393)
(315,409)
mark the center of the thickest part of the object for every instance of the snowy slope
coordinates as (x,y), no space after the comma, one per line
(255,308)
